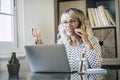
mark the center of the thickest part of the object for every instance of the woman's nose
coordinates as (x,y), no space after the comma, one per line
(68,24)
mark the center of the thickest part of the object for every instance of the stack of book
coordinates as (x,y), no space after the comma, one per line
(100,17)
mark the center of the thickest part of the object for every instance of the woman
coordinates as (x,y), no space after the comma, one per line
(77,36)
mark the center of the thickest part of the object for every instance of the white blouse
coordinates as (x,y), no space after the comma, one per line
(94,57)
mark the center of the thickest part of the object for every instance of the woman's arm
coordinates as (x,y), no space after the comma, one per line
(94,56)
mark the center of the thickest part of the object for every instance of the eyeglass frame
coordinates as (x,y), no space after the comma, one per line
(71,21)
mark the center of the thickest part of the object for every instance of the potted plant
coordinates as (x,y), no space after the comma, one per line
(13,65)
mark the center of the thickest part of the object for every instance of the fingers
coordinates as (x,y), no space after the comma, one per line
(81,31)
(77,31)
(83,27)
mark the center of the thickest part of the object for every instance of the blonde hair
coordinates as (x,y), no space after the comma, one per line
(74,14)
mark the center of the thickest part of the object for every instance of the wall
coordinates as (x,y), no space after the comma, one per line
(72,4)
(39,14)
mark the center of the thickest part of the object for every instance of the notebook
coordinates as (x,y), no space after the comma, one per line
(47,58)
(97,70)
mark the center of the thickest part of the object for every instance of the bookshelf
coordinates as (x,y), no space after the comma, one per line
(107,34)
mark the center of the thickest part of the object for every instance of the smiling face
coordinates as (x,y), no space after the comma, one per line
(70,20)
(70,25)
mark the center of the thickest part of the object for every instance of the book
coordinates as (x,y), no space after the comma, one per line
(109,17)
(100,16)
(90,17)
(94,16)
(97,16)
(103,16)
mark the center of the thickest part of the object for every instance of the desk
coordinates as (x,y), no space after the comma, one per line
(112,74)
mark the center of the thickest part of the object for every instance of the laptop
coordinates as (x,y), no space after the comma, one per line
(47,58)
(50,76)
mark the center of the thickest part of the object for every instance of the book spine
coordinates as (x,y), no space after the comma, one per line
(94,17)
(90,17)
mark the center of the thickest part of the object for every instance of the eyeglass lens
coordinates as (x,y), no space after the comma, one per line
(71,21)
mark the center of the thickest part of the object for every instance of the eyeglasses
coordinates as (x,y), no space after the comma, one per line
(71,21)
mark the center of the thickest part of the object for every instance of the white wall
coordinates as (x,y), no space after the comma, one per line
(39,14)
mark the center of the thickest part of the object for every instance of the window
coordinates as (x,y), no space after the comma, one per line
(6,20)
(9,18)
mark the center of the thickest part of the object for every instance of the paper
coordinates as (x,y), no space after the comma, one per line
(98,70)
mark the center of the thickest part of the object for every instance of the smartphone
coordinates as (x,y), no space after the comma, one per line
(79,25)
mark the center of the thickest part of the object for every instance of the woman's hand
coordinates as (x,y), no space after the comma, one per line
(82,32)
